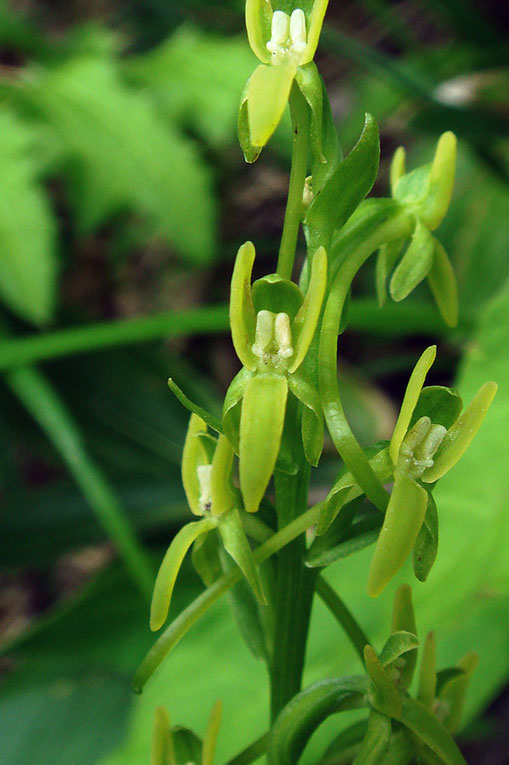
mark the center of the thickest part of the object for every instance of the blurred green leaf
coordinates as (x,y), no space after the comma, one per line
(123,156)
(28,265)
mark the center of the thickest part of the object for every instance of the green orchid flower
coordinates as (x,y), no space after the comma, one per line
(284,39)
(422,450)
(272,326)
(426,194)
(206,476)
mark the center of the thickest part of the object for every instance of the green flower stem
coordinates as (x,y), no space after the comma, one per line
(185,620)
(96,337)
(44,404)
(351,628)
(293,214)
(294,594)
(397,227)
(251,753)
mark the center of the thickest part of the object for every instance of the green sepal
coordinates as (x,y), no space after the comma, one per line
(427,191)
(454,692)
(236,544)
(444,676)
(385,261)
(460,435)
(383,694)
(261,427)
(323,167)
(258,25)
(188,746)
(415,263)
(410,399)
(426,544)
(314,11)
(232,407)
(397,169)
(194,456)
(250,152)
(170,567)
(376,740)
(307,710)
(310,85)
(403,519)
(268,90)
(162,743)
(345,188)
(288,458)
(423,723)
(428,672)
(222,494)
(398,644)
(278,295)
(442,405)
(242,313)
(403,618)
(312,416)
(211,734)
(205,558)
(443,285)
(211,420)
(305,323)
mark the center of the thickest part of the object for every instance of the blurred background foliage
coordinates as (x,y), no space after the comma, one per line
(123,198)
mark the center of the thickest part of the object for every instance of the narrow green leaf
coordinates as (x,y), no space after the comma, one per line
(403,618)
(428,672)
(236,544)
(425,725)
(426,544)
(375,741)
(210,738)
(211,420)
(304,713)
(443,285)
(383,694)
(322,170)
(162,744)
(415,263)
(28,265)
(357,537)
(332,505)
(454,691)
(345,189)
(242,313)
(306,321)
(170,566)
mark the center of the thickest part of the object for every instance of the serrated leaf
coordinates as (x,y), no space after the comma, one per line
(28,265)
(122,156)
(345,189)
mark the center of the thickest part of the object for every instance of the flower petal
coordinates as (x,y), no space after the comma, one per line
(268,90)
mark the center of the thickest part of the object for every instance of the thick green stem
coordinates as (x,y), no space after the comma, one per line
(300,122)
(294,594)
(397,227)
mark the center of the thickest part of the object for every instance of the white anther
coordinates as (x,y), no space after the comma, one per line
(298,30)
(429,445)
(278,42)
(264,335)
(204,478)
(283,336)
(288,35)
